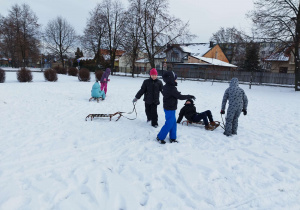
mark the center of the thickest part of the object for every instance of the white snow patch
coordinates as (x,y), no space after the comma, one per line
(51,158)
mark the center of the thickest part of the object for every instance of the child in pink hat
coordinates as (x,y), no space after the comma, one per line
(150,89)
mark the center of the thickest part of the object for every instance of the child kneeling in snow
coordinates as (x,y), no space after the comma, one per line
(189,112)
(97,93)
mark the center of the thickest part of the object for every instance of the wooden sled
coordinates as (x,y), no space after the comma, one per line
(92,116)
(201,123)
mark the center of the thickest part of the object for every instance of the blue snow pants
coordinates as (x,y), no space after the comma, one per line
(170,126)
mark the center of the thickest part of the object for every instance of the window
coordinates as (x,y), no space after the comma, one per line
(174,57)
(283,69)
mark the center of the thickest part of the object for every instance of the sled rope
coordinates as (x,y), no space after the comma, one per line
(134,110)
(223,123)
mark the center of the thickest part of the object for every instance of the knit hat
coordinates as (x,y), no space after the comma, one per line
(153,71)
(190,100)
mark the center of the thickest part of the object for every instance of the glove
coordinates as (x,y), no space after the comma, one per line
(109,80)
(134,100)
(222,112)
(244,111)
(192,97)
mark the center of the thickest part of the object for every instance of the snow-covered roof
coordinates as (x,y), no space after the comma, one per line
(215,62)
(85,58)
(196,49)
(4,59)
(143,60)
(279,56)
(106,57)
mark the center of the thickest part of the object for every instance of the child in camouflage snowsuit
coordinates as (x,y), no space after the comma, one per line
(238,103)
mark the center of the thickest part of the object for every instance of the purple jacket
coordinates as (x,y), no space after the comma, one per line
(105,76)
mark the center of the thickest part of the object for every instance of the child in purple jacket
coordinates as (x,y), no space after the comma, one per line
(104,80)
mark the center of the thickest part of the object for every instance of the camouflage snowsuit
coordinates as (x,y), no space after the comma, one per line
(237,102)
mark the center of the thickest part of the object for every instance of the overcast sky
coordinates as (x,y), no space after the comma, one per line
(205,16)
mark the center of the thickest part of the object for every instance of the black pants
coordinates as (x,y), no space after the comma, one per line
(203,116)
(151,112)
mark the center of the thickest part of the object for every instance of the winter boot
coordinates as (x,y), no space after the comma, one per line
(209,127)
(160,141)
(226,134)
(212,123)
(173,140)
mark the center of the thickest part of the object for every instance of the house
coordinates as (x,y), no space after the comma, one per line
(281,61)
(106,57)
(125,62)
(3,61)
(205,54)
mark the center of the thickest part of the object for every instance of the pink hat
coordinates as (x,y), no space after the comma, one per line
(153,71)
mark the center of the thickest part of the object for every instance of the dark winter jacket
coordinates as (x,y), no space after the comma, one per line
(236,97)
(104,78)
(187,111)
(150,88)
(170,92)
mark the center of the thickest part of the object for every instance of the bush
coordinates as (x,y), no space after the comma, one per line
(24,75)
(60,70)
(73,71)
(2,76)
(84,75)
(50,75)
(98,74)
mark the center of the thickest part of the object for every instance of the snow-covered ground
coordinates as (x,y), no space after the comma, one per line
(51,158)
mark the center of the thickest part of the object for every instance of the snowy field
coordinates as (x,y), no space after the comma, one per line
(51,158)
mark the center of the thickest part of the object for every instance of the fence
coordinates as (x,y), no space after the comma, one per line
(255,77)
(220,75)
(138,70)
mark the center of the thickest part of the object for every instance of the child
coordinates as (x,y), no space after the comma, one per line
(170,100)
(150,89)
(104,80)
(96,92)
(238,103)
(189,111)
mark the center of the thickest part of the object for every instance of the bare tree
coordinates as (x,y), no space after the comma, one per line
(7,40)
(279,20)
(20,32)
(132,35)
(95,32)
(59,36)
(115,17)
(233,43)
(158,28)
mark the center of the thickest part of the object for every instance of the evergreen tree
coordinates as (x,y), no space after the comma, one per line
(78,53)
(252,57)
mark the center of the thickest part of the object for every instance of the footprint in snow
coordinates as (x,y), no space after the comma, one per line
(120,203)
(104,185)
(144,199)
(148,187)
